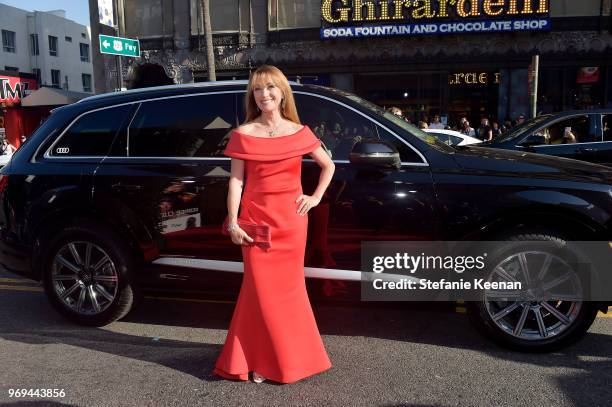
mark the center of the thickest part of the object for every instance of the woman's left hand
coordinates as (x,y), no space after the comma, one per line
(307,202)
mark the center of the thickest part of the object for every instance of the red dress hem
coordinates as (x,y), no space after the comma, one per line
(285,380)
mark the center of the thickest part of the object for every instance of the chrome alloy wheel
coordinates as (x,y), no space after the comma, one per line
(84,278)
(548,303)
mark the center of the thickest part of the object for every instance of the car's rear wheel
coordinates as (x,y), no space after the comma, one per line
(550,312)
(87,274)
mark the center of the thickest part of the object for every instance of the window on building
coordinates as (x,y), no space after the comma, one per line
(573,8)
(86,82)
(34,44)
(52,46)
(8,41)
(196,126)
(294,14)
(11,68)
(68,39)
(83,35)
(145,17)
(84,52)
(37,72)
(92,135)
(226,16)
(55,78)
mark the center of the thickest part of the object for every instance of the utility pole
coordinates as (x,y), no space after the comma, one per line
(210,56)
(533,73)
(119,68)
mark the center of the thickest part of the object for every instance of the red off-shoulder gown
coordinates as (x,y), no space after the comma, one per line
(273,330)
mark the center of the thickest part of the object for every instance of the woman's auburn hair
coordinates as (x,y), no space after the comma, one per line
(261,76)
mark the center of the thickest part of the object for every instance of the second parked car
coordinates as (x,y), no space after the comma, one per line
(581,135)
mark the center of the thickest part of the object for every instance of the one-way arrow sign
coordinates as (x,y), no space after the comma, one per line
(119,46)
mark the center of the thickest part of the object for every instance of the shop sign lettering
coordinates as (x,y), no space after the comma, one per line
(12,93)
(346,11)
(420,17)
(473,78)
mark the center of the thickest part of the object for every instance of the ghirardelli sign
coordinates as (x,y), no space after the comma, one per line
(13,89)
(349,11)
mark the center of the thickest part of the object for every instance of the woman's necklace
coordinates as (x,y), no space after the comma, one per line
(273,131)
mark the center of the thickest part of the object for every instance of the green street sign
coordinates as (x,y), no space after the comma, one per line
(119,46)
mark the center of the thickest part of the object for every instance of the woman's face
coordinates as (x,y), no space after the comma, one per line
(267,96)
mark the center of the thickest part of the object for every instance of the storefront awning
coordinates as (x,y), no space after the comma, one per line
(52,97)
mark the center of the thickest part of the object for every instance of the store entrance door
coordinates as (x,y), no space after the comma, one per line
(473,95)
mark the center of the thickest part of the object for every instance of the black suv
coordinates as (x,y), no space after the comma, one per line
(591,141)
(124,192)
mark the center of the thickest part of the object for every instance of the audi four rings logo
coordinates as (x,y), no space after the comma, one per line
(62,150)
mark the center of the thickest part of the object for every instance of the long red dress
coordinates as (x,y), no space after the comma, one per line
(273,330)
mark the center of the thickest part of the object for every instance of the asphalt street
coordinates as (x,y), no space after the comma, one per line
(164,351)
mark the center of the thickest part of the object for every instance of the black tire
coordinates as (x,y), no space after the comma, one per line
(115,297)
(579,319)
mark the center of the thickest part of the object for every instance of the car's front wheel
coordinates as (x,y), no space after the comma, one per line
(87,274)
(550,312)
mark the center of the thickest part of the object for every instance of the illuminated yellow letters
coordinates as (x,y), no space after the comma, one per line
(326,12)
(443,10)
(422,9)
(490,4)
(543,6)
(399,5)
(384,10)
(512,7)
(343,11)
(461,8)
(358,6)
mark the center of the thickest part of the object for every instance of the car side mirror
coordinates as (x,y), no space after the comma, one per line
(375,153)
(534,140)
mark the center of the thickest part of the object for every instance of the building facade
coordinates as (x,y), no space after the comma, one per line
(449,57)
(48,45)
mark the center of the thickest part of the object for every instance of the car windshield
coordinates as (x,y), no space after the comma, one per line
(411,129)
(522,128)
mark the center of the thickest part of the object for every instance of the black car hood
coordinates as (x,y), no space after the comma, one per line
(508,162)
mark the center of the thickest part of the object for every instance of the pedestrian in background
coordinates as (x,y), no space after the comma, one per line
(485,133)
(435,123)
(495,129)
(466,129)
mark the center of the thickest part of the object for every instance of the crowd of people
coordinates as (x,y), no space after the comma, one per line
(487,130)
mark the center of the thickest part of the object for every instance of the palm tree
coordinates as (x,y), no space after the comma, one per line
(210,56)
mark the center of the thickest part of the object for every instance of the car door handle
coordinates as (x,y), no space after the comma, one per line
(126,188)
(584,150)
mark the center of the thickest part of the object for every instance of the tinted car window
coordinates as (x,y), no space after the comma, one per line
(407,154)
(576,129)
(92,135)
(454,140)
(195,126)
(340,128)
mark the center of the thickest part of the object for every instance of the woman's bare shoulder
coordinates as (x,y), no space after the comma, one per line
(247,128)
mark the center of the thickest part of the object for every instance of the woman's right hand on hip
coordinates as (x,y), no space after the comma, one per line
(240,237)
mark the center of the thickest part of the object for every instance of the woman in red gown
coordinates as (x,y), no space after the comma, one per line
(273,332)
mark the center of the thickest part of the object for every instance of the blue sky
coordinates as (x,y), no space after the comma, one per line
(76,10)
